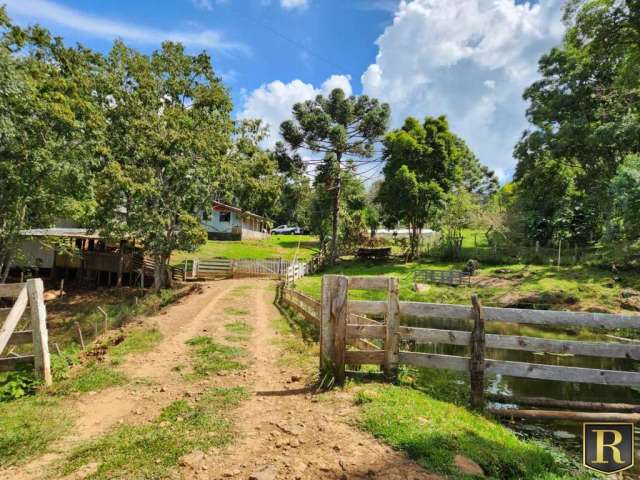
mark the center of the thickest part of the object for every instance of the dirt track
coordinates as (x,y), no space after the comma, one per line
(284,432)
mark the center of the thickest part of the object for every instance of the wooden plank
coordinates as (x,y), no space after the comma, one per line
(566,404)
(525,370)
(11,289)
(527,344)
(378,332)
(435,310)
(21,337)
(392,340)
(368,283)
(13,318)
(563,374)
(567,415)
(42,360)
(9,364)
(364,357)
(339,314)
(360,320)
(550,318)
(435,360)
(367,307)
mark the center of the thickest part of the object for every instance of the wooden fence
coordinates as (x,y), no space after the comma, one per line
(289,271)
(449,277)
(337,330)
(26,294)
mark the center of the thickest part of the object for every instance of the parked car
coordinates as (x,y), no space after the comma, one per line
(286,230)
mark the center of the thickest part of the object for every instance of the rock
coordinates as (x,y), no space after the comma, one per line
(265,474)
(629,292)
(193,460)
(562,435)
(468,466)
(294,443)
(631,303)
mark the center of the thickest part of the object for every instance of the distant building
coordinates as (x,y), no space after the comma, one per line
(227,222)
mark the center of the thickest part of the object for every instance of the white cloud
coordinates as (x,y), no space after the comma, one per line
(469,60)
(289,4)
(337,81)
(274,101)
(46,10)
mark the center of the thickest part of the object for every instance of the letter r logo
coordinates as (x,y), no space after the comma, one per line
(608,447)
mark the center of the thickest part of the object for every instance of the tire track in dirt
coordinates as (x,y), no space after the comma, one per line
(95,413)
(285,432)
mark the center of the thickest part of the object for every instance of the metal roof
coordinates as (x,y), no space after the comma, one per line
(60,232)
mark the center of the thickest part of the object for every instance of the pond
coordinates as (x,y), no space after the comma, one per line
(568,435)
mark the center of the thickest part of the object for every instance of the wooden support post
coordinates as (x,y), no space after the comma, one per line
(61,294)
(106,319)
(326,327)
(392,340)
(559,253)
(334,314)
(80,336)
(476,361)
(42,361)
(339,314)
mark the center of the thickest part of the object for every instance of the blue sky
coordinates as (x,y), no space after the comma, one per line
(467,59)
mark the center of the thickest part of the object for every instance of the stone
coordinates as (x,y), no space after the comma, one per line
(265,474)
(631,303)
(468,466)
(193,460)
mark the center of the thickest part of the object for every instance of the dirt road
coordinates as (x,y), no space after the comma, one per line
(283,430)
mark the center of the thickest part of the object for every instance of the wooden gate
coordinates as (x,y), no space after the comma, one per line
(26,294)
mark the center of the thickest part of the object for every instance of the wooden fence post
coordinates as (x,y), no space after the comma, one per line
(334,313)
(340,313)
(476,362)
(392,341)
(42,361)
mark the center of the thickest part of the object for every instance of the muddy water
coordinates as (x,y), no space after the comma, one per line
(568,435)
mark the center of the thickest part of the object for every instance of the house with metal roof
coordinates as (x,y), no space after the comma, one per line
(226,222)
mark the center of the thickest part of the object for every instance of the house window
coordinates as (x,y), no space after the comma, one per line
(225,217)
(205,216)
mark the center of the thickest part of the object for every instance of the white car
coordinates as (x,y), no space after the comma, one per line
(286,230)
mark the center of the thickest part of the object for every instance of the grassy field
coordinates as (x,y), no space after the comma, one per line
(568,288)
(275,246)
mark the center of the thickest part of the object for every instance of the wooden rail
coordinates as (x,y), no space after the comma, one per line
(449,277)
(26,294)
(337,316)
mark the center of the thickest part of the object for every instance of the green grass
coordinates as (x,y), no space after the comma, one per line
(297,339)
(576,288)
(29,426)
(275,246)
(90,378)
(152,450)
(432,432)
(210,357)
(136,341)
(240,331)
(236,312)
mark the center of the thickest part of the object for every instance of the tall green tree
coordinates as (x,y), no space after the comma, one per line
(169,136)
(338,127)
(624,218)
(424,162)
(51,132)
(585,109)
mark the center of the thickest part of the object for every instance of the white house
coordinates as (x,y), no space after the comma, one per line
(232,223)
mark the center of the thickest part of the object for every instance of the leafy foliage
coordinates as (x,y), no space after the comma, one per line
(337,126)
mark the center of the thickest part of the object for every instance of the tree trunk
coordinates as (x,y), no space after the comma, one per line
(336,212)
(157,272)
(6,266)
(120,263)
